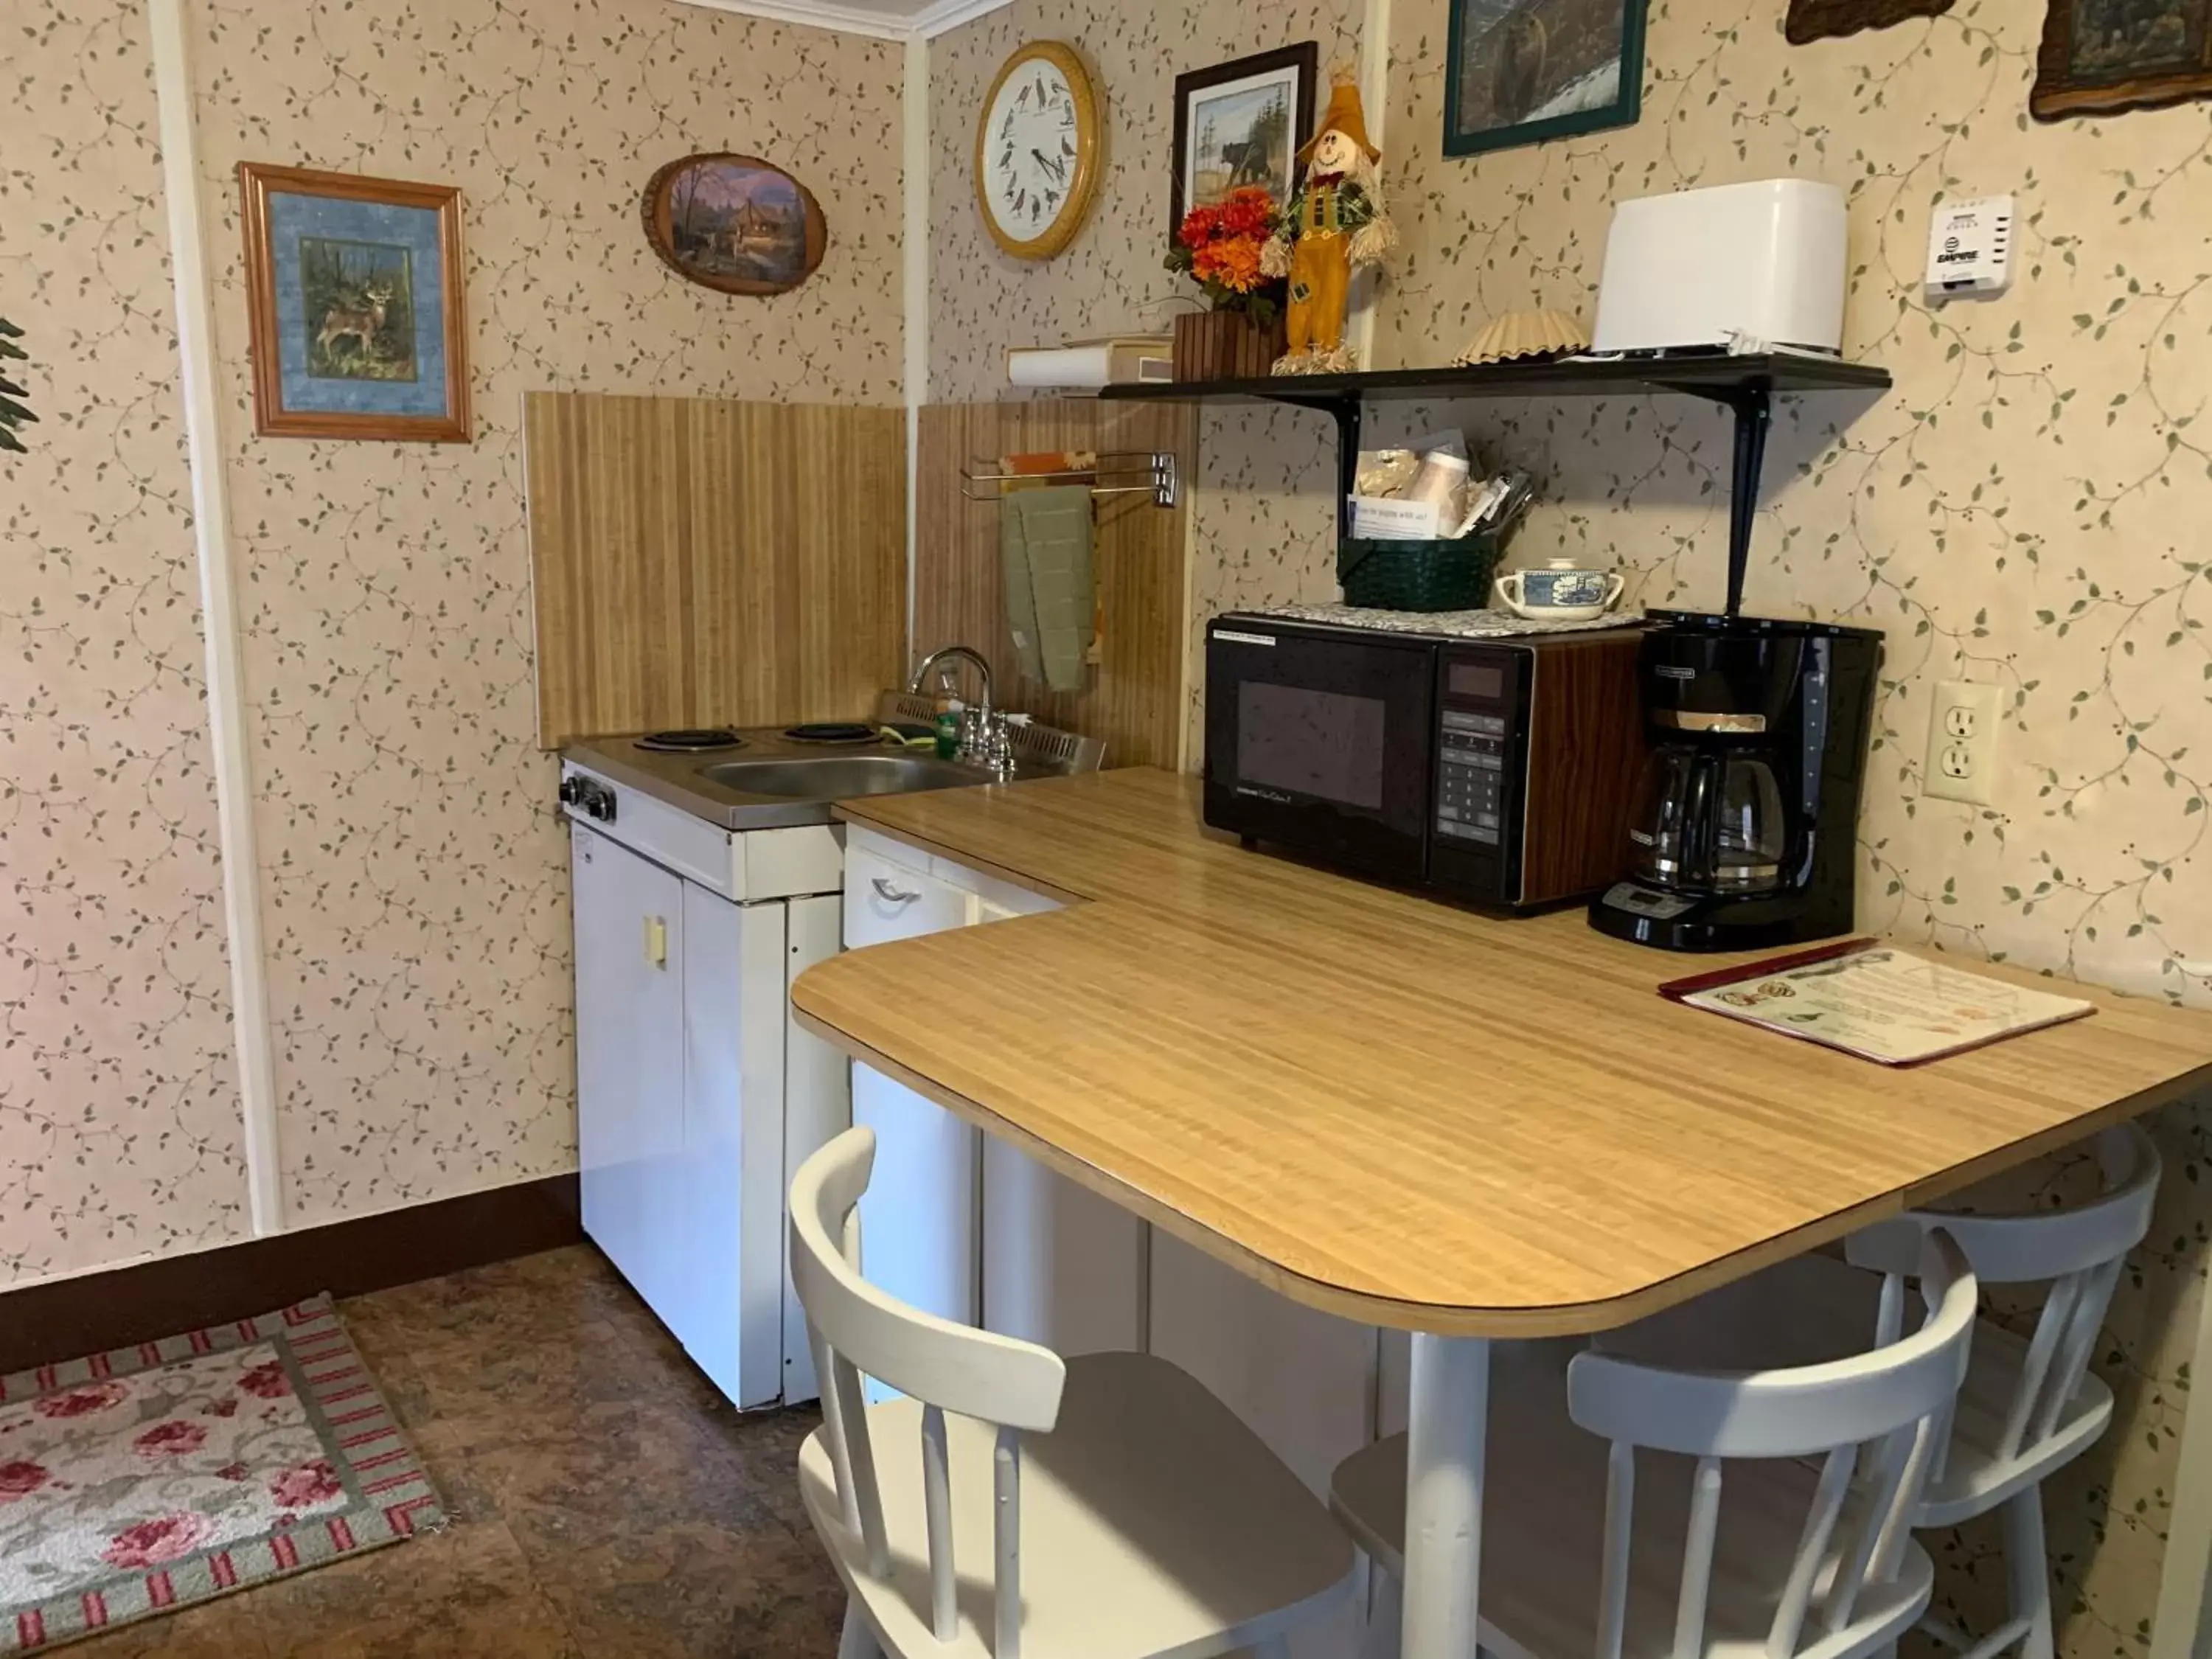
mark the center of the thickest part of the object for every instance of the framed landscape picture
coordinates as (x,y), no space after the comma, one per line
(734,224)
(2100,56)
(1239,123)
(354,290)
(1520,71)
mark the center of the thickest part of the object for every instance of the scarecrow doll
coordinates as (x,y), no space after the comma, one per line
(1333,224)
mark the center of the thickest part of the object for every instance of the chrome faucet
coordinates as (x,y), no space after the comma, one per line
(984,737)
(929,662)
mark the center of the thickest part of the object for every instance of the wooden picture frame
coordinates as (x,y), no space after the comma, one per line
(2150,68)
(355,303)
(1086,105)
(1500,76)
(1828,20)
(1297,66)
(734,224)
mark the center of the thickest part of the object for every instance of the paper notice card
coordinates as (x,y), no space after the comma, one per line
(1877,1002)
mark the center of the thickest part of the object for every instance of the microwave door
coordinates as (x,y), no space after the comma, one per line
(1321,743)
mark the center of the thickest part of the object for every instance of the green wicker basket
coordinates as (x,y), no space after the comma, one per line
(1448,576)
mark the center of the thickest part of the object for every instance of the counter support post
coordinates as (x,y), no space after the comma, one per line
(1444,1446)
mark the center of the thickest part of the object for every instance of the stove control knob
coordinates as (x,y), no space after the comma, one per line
(601,804)
(572,790)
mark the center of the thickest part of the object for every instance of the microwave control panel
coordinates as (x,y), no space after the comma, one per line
(1481,697)
(1471,776)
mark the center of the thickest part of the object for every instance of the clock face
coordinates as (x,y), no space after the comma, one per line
(1034,152)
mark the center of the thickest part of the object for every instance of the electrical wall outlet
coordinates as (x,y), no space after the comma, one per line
(1962,743)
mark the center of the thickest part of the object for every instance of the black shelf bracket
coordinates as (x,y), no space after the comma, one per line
(1753,405)
(1346,412)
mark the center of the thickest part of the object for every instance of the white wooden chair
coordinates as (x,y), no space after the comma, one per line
(2028,1407)
(1102,1508)
(1605,1533)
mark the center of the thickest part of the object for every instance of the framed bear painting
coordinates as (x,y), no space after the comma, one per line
(1520,71)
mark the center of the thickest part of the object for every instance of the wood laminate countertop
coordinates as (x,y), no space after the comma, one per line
(1406,1113)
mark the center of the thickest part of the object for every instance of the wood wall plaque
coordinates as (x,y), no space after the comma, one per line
(1824,20)
(734,224)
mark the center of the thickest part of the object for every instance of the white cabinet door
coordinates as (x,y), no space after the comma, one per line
(1304,1382)
(629,1064)
(817,1097)
(729,1205)
(1062,1266)
(918,1216)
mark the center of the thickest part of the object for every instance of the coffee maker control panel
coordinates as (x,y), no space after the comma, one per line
(1471,782)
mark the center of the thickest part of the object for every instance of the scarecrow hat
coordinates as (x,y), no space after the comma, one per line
(1345,114)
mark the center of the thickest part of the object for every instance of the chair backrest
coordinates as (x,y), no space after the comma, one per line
(855,1329)
(1895,1398)
(2080,1251)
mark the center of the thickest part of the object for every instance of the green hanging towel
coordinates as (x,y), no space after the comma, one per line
(1044,543)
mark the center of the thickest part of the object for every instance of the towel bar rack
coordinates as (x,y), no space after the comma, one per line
(1125,472)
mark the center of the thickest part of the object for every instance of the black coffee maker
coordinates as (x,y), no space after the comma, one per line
(1746,835)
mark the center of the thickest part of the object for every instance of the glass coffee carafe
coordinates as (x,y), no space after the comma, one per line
(1711,820)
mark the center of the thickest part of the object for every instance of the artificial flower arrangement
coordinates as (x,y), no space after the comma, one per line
(1219,247)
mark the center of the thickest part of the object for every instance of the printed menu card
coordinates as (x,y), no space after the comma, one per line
(1876,1002)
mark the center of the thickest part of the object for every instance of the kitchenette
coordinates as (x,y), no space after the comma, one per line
(1471,992)
(1165,830)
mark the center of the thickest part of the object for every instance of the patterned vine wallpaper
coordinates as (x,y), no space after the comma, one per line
(119,1130)
(413,882)
(1260,511)
(2024,507)
(1111,279)
(2021,509)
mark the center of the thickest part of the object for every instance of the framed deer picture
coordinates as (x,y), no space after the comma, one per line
(354,290)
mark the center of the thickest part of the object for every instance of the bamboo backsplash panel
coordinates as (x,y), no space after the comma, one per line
(702,563)
(1133,695)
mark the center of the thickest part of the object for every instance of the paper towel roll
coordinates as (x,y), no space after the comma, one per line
(1090,364)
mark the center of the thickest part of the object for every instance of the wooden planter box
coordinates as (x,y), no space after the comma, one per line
(1224,345)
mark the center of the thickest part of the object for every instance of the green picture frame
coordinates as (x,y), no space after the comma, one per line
(1522,71)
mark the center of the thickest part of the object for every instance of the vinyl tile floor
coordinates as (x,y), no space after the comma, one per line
(606,1501)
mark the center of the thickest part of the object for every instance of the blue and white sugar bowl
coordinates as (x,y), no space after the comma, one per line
(1561,592)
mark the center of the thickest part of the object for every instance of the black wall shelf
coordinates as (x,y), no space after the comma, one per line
(1747,385)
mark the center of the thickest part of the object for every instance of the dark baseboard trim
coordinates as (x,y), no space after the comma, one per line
(72,1317)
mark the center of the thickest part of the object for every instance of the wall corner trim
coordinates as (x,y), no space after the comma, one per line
(916,247)
(233,777)
(922,22)
(1375,100)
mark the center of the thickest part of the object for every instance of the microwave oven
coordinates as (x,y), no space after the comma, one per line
(1503,771)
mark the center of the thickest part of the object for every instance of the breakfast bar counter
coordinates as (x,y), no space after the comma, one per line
(1464,1126)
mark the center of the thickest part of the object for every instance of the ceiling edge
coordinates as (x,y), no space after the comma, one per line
(930,21)
(946,14)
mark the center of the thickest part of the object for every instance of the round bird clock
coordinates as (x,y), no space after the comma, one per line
(1036,150)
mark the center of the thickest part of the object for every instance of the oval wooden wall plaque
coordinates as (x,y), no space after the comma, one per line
(734,222)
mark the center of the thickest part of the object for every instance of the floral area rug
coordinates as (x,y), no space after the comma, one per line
(150,1478)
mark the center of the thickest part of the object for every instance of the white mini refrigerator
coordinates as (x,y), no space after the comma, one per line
(697,1096)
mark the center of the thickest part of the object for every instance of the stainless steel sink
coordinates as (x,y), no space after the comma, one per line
(839,777)
(765,778)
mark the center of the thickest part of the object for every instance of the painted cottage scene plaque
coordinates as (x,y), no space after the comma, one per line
(735,223)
